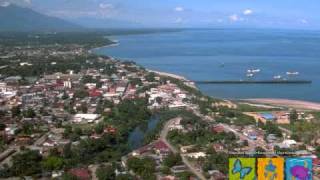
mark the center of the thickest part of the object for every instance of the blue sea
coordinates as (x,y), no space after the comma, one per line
(227,54)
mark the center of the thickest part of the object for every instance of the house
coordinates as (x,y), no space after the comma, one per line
(81,173)
(85,118)
(217,129)
(185,149)
(271,138)
(196,155)
(110,130)
(218,147)
(49,143)
(268,116)
(95,93)
(176,125)
(217,175)
(252,135)
(11,129)
(95,136)
(13,79)
(161,148)
(177,104)
(23,140)
(56,174)
(288,143)
(179,169)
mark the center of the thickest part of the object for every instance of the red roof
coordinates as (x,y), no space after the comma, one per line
(95,93)
(81,173)
(60,82)
(218,129)
(110,130)
(160,145)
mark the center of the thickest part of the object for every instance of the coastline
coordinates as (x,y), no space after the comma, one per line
(297,104)
(114,43)
(288,103)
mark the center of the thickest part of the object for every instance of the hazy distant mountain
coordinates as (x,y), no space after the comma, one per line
(91,22)
(15,18)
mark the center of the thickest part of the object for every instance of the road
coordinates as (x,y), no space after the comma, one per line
(251,143)
(163,137)
(13,149)
(285,130)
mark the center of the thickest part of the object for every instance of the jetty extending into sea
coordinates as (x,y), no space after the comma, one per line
(253,82)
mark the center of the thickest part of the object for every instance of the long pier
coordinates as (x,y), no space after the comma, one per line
(254,82)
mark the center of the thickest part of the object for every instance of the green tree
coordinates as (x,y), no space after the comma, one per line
(29,113)
(172,160)
(293,116)
(144,167)
(318,151)
(53,163)
(99,128)
(159,100)
(150,77)
(106,172)
(67,152)
(15,111)
(26,163)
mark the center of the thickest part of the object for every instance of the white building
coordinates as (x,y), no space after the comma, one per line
(85,118)
(196,155)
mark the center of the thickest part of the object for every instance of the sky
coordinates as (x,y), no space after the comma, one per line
(296,14)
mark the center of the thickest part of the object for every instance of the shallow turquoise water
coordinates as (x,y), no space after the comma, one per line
(198,55)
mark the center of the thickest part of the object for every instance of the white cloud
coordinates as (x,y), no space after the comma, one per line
(106,6)
(179,9)
(303,21)
(247,12)
(234,17)
(4,4)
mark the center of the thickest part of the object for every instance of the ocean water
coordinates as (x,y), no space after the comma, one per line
(227,54)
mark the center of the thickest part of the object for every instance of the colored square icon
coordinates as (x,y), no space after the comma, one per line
(242,168)
(270,168)
(299,169)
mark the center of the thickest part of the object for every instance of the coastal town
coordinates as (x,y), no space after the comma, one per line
(67,113)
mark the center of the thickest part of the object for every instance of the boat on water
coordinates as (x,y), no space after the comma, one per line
(277,77)
(250,75)
(253,70)
(292,73)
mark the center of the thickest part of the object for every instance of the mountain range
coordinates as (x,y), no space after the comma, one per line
(16,18)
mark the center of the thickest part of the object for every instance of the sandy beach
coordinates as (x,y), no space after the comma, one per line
(297,104)
(187,81)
